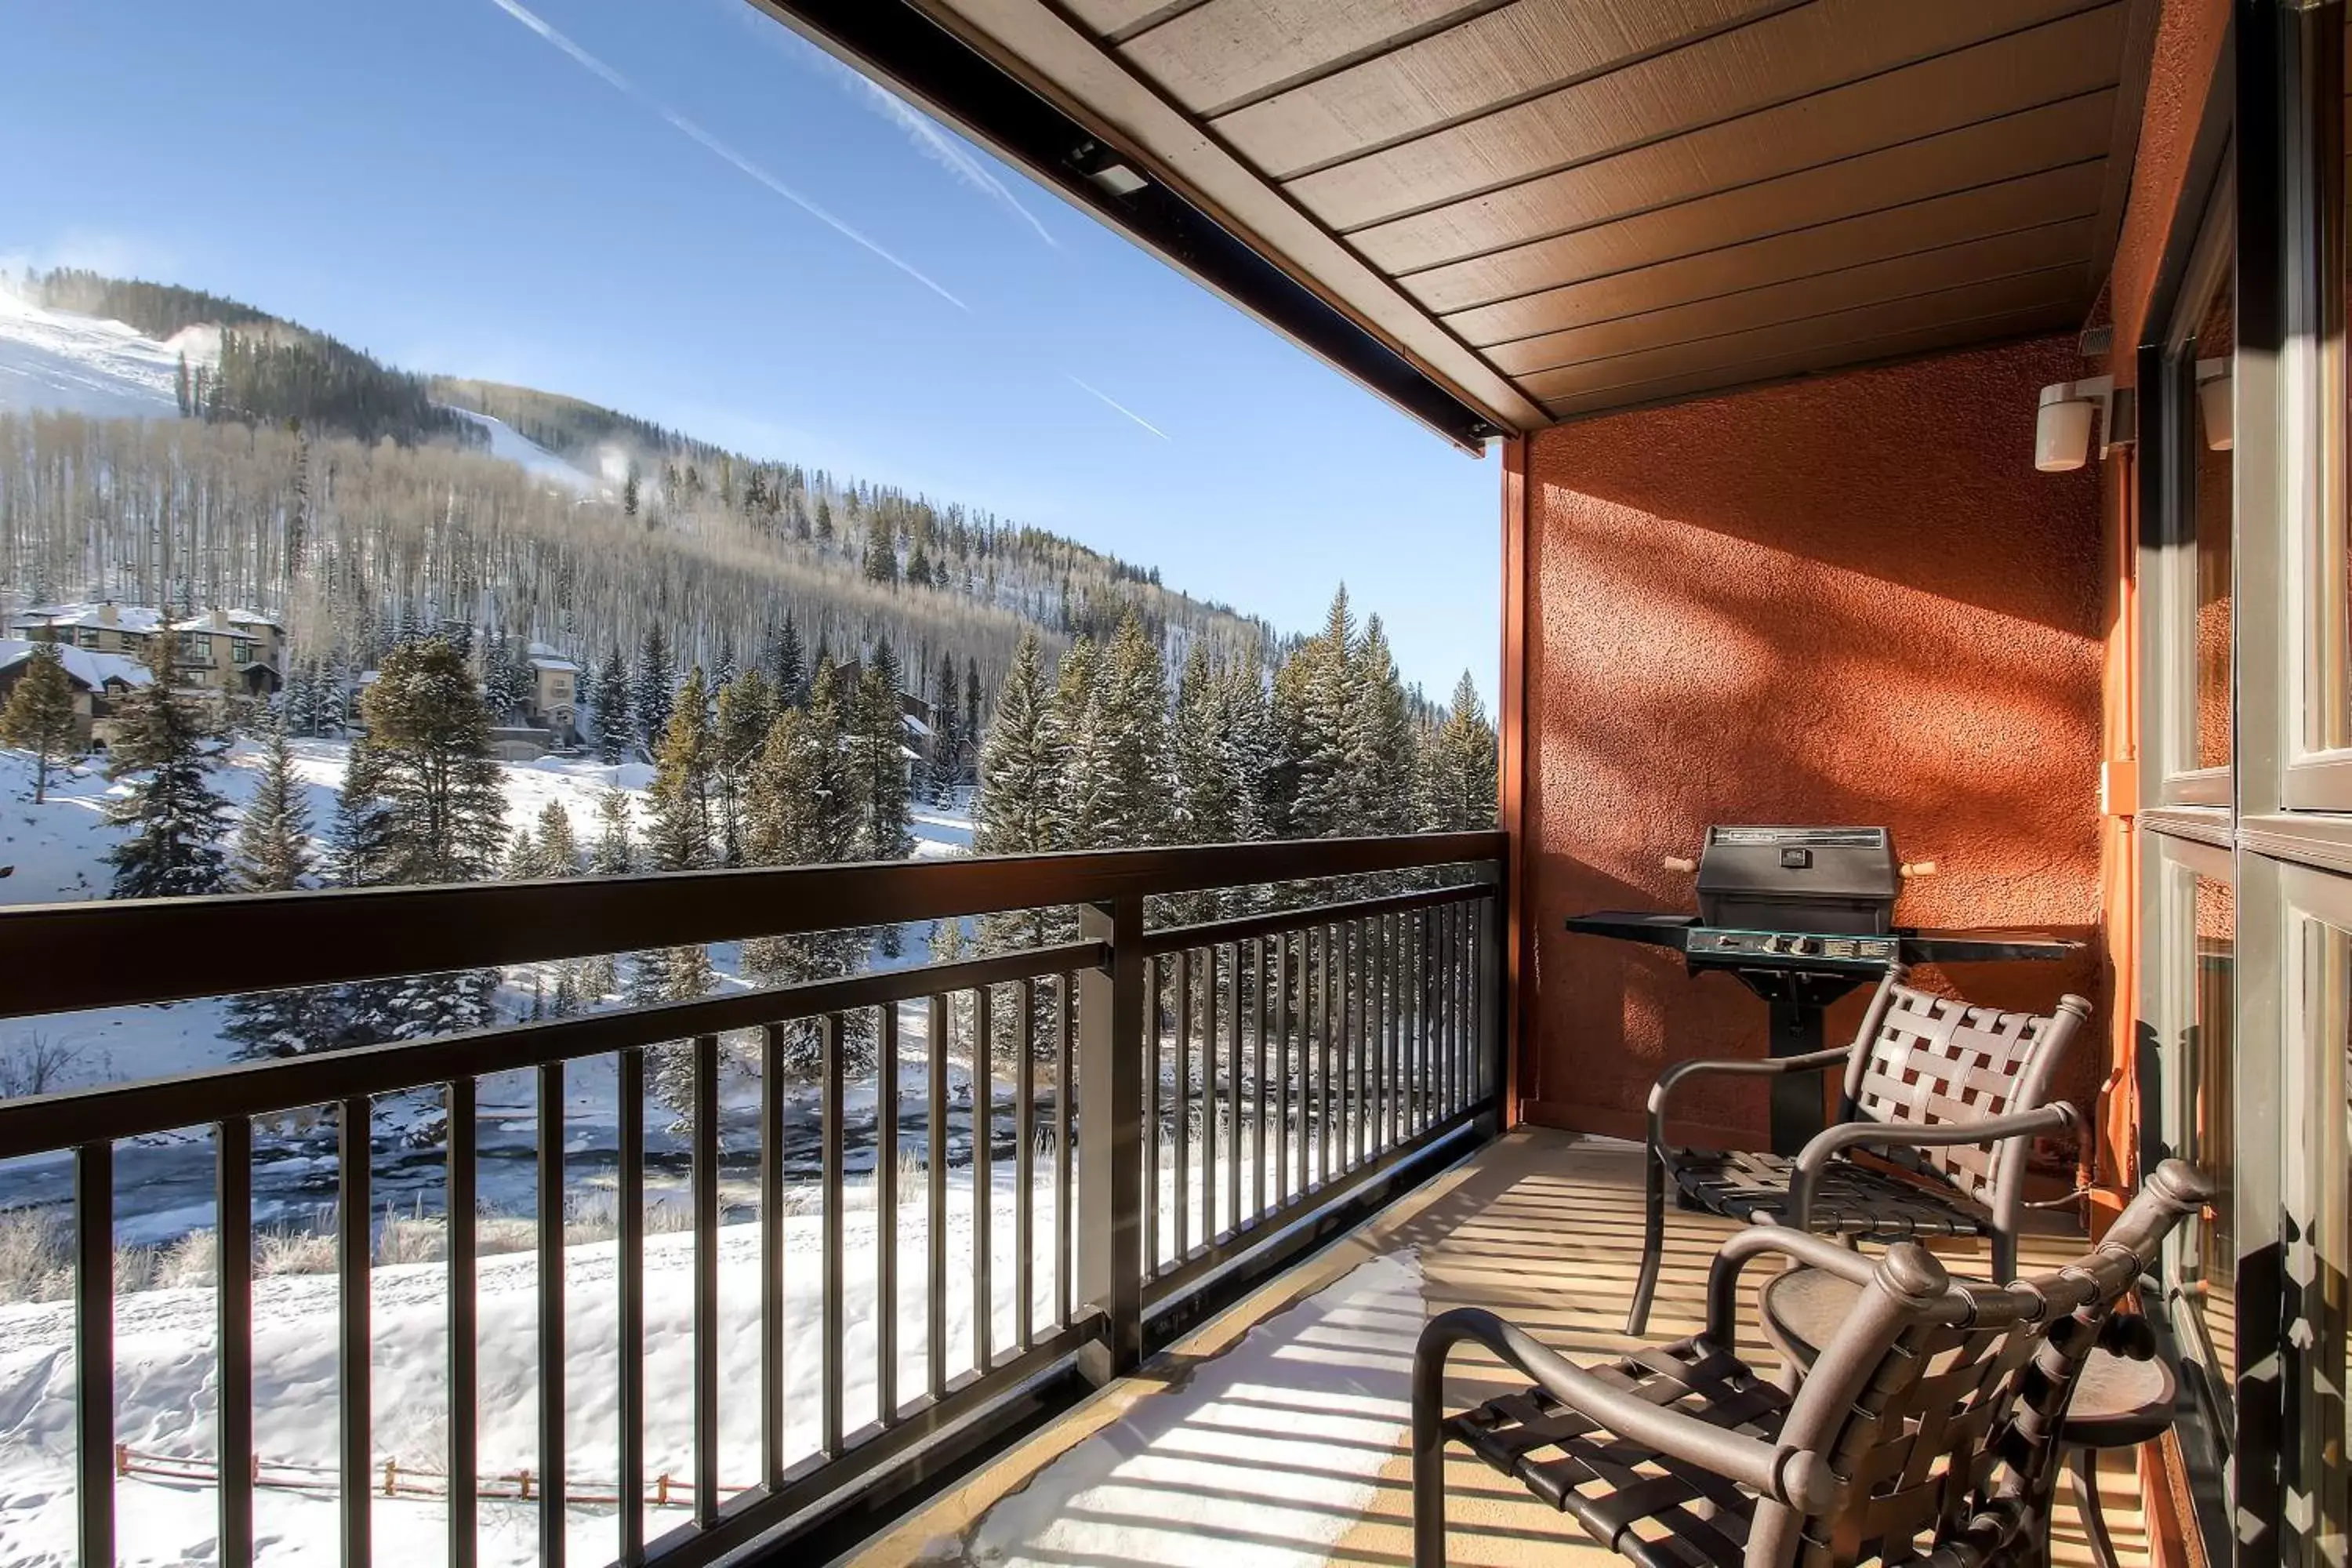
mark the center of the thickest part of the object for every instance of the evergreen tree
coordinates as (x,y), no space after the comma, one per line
(1381,763)
(801,809)
(970,701)
(877,739)
(1324,748)
(1132,805)
(507,677)
(552,850)
(946,733)
(610,701)
(359,843)
(1081,745)
(746,708)
(428,735)
(39,715)
(1205,785)
(679,835)
(616,853)
(273,842)
(1458,767)
(1018,809)
(650,689)
(788,665)
(167,752)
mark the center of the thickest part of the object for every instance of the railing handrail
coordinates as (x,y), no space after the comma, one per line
(63,958)
(52,1122)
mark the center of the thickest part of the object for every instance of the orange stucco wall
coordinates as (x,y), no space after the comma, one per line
(1847,599)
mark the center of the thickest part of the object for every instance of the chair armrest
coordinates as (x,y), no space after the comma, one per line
(1789,1476)
(1803,1250)
(2056,1116)
(1667,1082)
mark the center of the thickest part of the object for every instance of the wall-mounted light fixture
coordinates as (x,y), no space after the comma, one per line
(2062,430)
(2213,387)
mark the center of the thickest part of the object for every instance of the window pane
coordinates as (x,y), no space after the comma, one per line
(2207,1061)
(2214,439)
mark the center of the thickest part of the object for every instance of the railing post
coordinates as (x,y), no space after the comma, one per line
(1110,1137)
(1490,1008)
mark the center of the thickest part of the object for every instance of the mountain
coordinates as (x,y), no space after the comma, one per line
(355,499)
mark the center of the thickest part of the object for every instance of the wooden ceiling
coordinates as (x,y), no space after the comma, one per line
(1555,208)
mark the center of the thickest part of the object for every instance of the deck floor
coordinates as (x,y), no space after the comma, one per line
(1275,1434)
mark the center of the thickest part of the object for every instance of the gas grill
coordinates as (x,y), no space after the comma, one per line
(1802,916)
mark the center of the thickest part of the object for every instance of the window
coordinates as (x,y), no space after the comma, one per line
(87,637)
(2191,566)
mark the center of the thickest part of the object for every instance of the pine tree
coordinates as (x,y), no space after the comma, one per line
(802,810)
(946,733)
(166,751)
(429,734)
(358,844)
(1327,790)
(1081,746)
(1381,762)
(878,738)
(650,689)
(614,730)
(1458,767)
(1018,809)
(39,716)
(746,708)
(550,851)
(1132,806)
(679,836)
(972,695)
(788,665)
(1205,786)
(616,854)
(273,842)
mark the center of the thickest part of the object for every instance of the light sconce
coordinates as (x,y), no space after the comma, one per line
(2213,387)
(2062,430)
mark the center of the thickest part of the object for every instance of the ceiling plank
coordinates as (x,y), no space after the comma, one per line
(1626,374)
(2001,77)
(1784,60)
(1229,51)
(1919,273)
(1532,47)
(2015,145)
(1997,327)
(1111,18)
(2054,195)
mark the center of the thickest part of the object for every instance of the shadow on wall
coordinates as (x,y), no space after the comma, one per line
(1849,599)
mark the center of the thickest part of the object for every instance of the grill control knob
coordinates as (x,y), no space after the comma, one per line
(1806,946)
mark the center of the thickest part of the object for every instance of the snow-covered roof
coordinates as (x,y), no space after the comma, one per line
(916,725)
(542,657)
(209,622)
(125,617)
(89,669)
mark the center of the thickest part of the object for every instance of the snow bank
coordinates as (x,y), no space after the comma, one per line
(166,1395)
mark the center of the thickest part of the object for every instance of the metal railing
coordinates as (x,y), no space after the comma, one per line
(1184,1102)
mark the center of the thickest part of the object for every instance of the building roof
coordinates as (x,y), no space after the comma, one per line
(1539,210)
(212,621)
(87,669)
(543,657)
(137,618)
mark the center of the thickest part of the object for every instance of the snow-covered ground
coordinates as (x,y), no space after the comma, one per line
(514,446)
(165,1390)
(50,360)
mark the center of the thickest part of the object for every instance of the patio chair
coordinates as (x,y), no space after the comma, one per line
(1927,1425)
(1946,1093)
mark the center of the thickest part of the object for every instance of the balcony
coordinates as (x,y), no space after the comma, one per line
(1168,1111)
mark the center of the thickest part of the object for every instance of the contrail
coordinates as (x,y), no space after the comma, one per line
(711,143)
(943,149)
(1122,407)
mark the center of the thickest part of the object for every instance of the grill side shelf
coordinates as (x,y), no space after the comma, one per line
(1669,930)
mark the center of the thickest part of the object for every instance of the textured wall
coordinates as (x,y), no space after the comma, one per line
(1847,599)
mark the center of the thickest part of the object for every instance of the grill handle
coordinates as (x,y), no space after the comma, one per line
(1682,863)
(1911,868)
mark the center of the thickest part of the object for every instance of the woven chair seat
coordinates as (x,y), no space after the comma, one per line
(1852,1200)
(1658,1512)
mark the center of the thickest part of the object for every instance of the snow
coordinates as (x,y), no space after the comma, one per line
(50,360)
(138,619)
(1262,1450)
(92,669)
(514,446)
(165,1393)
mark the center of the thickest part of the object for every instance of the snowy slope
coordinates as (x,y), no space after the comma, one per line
(52,361)
(514,446)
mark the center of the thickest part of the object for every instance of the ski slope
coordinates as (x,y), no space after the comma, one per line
(51,361)
(512,445)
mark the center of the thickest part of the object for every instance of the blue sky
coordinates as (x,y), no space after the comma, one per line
(708,223)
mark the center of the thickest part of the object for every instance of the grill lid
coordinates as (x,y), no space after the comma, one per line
(1836,879)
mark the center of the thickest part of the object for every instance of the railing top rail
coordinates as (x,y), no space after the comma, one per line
(1277,922)
(57,958)
(55,1121)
